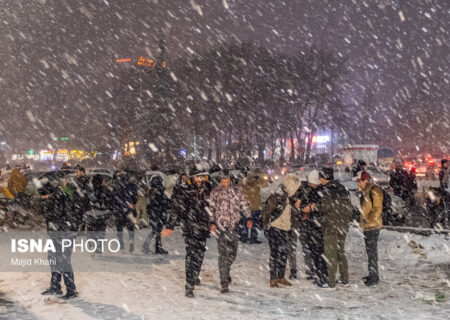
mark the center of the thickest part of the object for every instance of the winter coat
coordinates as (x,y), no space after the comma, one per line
(101,203)
(125,194)
(275,206)
(80,198)
(372,208)
(444,175)
(17,182)
(251,186)
(191,212)
(157,205)
(336,206)
(226,206)
(400,183)
(307,196)
(57,212)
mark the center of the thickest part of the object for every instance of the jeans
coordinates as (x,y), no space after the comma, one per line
(157,227)
(292,258)
(227,242)
(371,241)
(279,251)
(62,265)
(122,221)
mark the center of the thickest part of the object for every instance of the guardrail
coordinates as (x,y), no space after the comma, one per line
(419,231)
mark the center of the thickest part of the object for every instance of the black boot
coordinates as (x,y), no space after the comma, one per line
(70,295)
(160,250)
(198,282)
(52,291)
(293,274)
(224,286)
(371,281)
(189,293)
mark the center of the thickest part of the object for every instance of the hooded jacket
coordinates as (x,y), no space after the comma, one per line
(372,208)
(252,189)
(336,207)
(226,206)
(277,202)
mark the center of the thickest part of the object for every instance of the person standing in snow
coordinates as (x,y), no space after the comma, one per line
(195,224)
(100,207)
(276,221)
(371,221)
(251,186)
(311,235)
(125,199)
(157,206)
(336,207)
(444,175)
(226,203)
(360,166)
(61,224)
(399,181)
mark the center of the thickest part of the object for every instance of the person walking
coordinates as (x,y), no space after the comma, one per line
(191,213)
(276,221)
(226,204)
(157,206)
(371,221)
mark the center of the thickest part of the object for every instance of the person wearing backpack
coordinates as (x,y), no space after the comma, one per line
(371,222)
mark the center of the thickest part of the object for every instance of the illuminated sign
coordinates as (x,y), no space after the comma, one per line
(141,61)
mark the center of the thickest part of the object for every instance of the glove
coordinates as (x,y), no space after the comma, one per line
(249,224)
(213,228)
(166,233)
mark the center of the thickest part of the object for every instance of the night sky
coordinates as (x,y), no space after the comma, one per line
(57,56)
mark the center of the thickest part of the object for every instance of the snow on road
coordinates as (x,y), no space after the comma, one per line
(413,270)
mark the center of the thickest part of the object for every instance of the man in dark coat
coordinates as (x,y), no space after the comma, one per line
(80,199)
(100,208)
(125,199)
(360,166)
(191,203)
(60,224)
(311,234)
(444,174)
(157,205)
(400,181)
(336,207)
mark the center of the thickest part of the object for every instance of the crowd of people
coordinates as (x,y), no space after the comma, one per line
(316,212)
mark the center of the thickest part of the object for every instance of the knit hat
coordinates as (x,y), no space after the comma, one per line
(326,173)
(313,177)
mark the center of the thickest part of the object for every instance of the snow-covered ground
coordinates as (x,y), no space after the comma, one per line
(413,270)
